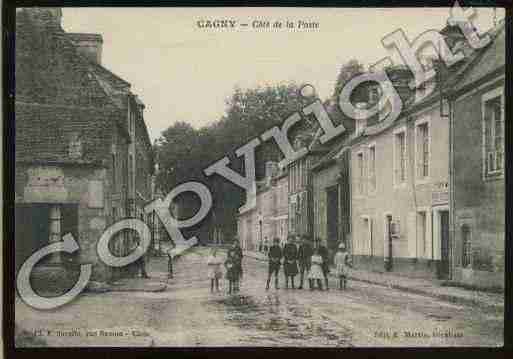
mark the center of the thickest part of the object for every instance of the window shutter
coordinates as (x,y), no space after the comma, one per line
(419,150)
(370,237)
(429,236)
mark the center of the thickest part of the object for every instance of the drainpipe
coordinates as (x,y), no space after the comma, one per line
(389,264)
(451,189)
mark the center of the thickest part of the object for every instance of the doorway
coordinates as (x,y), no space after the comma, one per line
(33,226)
(444,265)
(332,217)
(387,243)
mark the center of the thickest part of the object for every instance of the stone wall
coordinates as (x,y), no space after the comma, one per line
(479,202)
(84,186)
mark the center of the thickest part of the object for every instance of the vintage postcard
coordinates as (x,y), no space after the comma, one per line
(259,177)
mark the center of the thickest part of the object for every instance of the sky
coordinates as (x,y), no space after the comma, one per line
(185,73)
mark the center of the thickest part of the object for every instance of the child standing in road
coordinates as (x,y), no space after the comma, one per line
(316,273)
(169,254)
(232,271)
(214,263)
(342,263)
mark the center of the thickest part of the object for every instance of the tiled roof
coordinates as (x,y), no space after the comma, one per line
(476,66)
(491,58)
(59,94)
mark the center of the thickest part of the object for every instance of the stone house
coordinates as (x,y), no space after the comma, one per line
(75,134)
(331,196)
(477,164)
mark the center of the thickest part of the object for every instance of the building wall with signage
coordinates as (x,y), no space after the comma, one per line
(400,173)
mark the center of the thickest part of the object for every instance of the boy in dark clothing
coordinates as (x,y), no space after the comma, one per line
(232,272)
(304,256)
(274,255)
(236,253)
(290,261)
(323,252)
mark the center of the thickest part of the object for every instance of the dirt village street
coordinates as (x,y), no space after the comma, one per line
(188,314)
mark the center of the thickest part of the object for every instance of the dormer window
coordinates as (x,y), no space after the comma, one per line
(75,147)
(374,94)
(298,143)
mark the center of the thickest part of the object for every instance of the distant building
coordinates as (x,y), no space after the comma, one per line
(280,183)
(269,217)
(83,156)
(300,186)
(331,197)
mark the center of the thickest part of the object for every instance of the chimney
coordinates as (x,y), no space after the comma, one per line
(88,45)
(360,123)
(48,17)
(453,35)
(270,171)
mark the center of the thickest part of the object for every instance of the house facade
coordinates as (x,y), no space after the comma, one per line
(426,201)
(73,142)
(300,201)
(331,197)
(478,158)
(268,219)
(281,214)
(400,196)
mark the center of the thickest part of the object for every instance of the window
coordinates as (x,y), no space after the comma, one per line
(493,131)
(367,245)
(466,246)
(422,142)
(131,172)
(114,169)
(374,94)
(291,178)
(384,108)
(372,168)
(299,170)
(75,147)
(400,157)
(361,172)
(305,174)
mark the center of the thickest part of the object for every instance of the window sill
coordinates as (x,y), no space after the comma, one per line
(401,185)
(493,177)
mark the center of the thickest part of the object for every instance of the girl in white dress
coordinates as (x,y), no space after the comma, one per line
(316,273)
(214,264)
(342,264)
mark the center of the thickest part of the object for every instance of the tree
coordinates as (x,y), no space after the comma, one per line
(347,71)
(184,151)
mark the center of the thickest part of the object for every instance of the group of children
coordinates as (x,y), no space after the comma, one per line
(313,263)
(233,267)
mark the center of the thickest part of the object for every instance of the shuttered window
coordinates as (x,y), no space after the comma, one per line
(493,123)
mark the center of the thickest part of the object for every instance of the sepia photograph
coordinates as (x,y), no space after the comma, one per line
(259,177)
